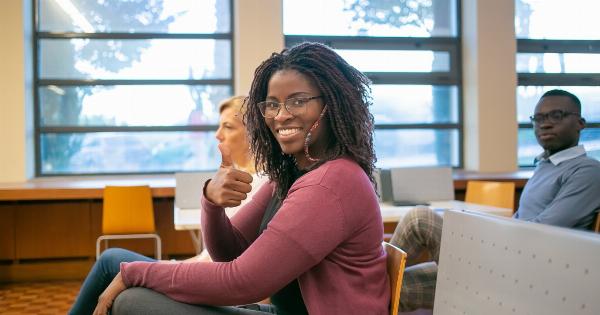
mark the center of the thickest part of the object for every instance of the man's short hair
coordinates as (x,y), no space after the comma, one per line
(558,92)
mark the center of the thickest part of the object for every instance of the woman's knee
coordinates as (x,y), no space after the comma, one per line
(111,259)
(139,300)
(126,302)
(112,255)
(413,217)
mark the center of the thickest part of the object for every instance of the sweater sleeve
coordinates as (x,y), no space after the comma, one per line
(308,226)
(225,239)
(577,198)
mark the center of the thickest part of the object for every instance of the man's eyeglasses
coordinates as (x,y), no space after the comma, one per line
(295,106)
(553,116)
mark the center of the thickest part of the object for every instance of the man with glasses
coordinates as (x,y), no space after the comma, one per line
(565,187)
(564,191)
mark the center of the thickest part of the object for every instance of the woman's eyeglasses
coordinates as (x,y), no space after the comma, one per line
(295,106)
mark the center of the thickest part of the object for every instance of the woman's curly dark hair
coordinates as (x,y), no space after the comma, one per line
(346,92)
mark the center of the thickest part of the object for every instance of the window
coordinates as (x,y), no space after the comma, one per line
(129,86)
(410,51)
(563,55)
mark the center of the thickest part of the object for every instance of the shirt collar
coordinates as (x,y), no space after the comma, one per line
(562,156)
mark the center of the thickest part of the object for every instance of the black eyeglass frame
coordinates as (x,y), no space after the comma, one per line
(303,100)
(554,116)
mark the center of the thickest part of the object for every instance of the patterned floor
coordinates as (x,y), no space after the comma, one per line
(49,298)
(42,298)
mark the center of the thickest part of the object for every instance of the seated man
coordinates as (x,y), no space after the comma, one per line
(564,191)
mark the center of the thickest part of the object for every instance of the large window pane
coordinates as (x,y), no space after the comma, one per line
(105,68)
(529,148)
(397,60)
(135,16)
(131,105)
(528,96)
(131,152)
(414,104)
(405,18)
(416,147)
(590,138)
(135,59)
(557,63)
(557,19)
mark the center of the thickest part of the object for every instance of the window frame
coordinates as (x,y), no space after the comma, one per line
(453,77)
(38,83)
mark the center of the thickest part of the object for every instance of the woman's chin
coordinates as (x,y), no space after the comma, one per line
(291,149)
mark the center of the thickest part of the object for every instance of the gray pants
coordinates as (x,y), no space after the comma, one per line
(420,230)
(146,301)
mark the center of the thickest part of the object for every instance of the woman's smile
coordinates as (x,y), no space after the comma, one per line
(288,132)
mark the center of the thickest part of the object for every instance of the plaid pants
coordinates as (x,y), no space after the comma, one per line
(419,230)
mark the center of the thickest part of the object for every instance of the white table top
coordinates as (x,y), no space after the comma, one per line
(189,219)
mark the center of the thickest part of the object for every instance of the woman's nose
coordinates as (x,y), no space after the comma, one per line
(283,114)
(219,135)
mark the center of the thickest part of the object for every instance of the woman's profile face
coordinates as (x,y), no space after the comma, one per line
(232,133)
(289,130)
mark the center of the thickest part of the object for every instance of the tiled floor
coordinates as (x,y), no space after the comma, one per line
(49,298)
(38,298)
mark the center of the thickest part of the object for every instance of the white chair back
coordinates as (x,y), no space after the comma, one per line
(493,265)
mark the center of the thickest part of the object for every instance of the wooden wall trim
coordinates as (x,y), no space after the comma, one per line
(79,188)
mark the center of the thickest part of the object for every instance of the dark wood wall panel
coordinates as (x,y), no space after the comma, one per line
(53,230)
(7,232)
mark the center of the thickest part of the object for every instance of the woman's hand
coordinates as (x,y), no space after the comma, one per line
(109,295)
(229,186)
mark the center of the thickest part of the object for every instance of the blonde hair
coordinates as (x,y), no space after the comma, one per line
(235,102)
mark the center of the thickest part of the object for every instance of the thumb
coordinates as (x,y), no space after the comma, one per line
(226,161)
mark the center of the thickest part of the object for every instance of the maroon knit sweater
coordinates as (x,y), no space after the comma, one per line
(327,234)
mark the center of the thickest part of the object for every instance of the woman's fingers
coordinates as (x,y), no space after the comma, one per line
(228,186)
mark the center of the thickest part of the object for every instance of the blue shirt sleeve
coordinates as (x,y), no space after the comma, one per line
(578,197)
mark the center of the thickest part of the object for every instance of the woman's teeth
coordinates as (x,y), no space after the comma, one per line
(287,132)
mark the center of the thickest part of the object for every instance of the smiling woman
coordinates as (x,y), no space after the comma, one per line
(311,238)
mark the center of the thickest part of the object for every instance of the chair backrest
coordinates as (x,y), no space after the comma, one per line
(597,222)
(127,210)
(188,189)
(422,184)
(494,265)
(396,261)
(496,194)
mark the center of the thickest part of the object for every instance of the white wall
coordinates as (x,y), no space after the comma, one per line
(489,85)
(258,33)
(16,149)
